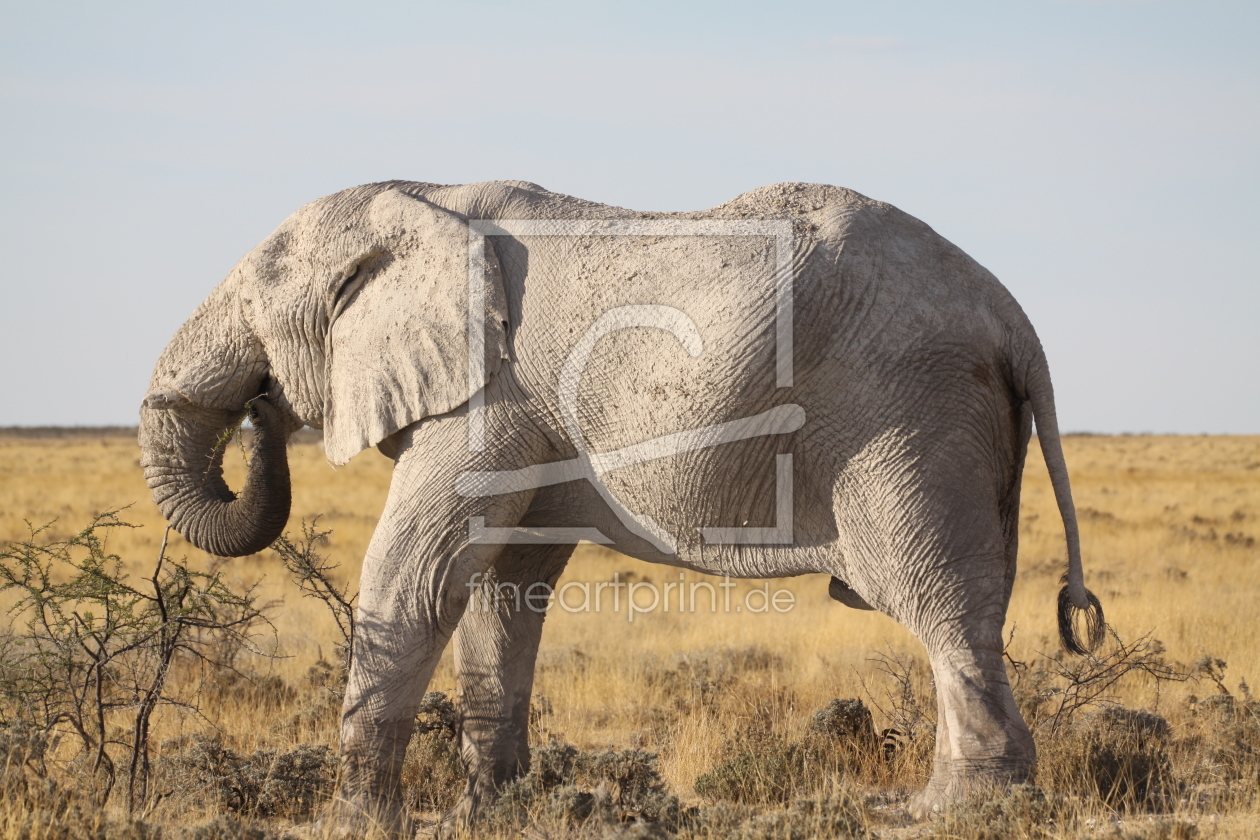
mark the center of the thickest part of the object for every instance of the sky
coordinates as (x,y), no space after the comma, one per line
(1101,158)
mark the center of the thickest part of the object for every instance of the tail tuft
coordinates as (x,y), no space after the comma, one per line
(1095,625)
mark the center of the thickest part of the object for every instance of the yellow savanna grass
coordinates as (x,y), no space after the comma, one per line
(1170,529)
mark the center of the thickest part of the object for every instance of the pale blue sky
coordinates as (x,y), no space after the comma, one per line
(1100,157)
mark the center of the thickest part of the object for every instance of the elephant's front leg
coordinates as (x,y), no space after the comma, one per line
(416,582)
(405,620)
(496,646)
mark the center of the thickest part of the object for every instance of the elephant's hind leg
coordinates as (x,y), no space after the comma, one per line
(933,551)
(496,646)
(982,741)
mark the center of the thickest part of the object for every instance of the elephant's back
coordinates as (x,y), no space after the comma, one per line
(868,279)
(789,200)
(527,200)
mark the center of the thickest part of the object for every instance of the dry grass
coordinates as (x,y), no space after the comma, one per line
(1171,529)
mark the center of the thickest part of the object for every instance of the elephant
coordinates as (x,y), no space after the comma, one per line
(800,380)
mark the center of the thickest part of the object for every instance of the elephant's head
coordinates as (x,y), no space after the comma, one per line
(352,316)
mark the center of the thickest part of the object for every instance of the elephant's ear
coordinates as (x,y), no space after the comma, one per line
(398,345)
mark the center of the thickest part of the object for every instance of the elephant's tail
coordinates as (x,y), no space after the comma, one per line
(1073,597)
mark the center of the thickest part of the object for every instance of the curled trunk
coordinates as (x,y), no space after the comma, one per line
(183,466)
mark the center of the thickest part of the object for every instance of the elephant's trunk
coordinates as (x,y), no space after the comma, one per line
(183,466)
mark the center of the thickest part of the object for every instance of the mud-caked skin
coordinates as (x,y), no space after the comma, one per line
(684,375)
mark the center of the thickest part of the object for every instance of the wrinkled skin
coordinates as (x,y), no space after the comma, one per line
(914,379)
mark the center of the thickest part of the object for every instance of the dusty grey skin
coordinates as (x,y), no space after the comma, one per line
(917,373)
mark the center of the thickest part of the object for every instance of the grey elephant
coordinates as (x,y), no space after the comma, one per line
(801,380)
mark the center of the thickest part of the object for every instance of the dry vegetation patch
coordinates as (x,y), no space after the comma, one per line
(696,725)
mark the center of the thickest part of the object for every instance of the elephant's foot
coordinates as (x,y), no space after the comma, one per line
(459,821)
(359,818)
(469,812)
(982,744)
(368,802)
(959,782)
(933,799)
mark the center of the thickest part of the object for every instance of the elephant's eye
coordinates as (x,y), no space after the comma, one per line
(356,277)
(347,288)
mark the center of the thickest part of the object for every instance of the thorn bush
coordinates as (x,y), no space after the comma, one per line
(432,774)
(846,720)
(265,784)
(565,786)
(89,652)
